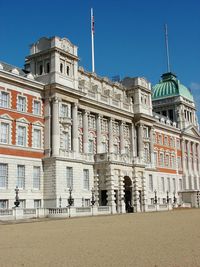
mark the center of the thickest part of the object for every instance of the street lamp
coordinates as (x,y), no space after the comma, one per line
(198,198)
(70,200)
(93,199)
(17,202)
(60,202)
(174,202)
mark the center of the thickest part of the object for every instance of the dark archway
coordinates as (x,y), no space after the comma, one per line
(128,194)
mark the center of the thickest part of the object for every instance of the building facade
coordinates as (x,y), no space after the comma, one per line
(62,127)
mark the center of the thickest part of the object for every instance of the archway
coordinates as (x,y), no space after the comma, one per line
(128,194)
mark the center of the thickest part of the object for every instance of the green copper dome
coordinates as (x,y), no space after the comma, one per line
(170,86)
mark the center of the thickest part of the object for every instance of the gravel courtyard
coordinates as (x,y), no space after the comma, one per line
(146,239)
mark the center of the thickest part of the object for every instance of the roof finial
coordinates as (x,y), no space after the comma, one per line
(167,48)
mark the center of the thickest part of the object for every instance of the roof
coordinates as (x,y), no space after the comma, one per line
(170,86)
(9,68)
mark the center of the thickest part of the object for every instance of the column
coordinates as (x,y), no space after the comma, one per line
(152,145)
(75,127)
(133,141)
(85,131)
(121,134)
(185,182)
(121,193)
(47,128)
(55,128)
(111,192)
(110,129)
(194,158)
(98,134)
(96,189)
(135,194)
(140,142)
(190,176)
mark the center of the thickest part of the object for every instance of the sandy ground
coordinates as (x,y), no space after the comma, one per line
(146,239)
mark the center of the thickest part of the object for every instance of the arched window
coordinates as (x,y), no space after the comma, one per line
(48,67)
(67,70)
(40,69)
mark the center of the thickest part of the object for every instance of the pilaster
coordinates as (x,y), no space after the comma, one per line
(98,120)
(110,127)
(75,127)
(55,128)
(121,193)
(121,133)
(85,131)
(111,193)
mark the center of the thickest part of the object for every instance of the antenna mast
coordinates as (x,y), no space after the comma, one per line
(167,48)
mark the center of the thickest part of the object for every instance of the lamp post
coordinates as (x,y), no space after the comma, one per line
(60,202)
(70,200)
(198,198)
(17,202)
(93,200)
(155,199)
(168,200)
(174,199)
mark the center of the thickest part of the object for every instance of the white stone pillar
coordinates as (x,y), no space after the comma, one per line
(140,142)
(121,193)
(133,141)
(96,189)
(121,134)
(135,194)
(190,174)
(55,128)
(85,132)
(47,128)
(110,129)
(194,158)
(75,127)
(111,193)
(185,180)
(98,120)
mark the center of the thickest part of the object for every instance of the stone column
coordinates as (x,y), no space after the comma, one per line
(98,120)
(121,193)
(133,141)
(185,180)
(135,194)
(190,174)
(121,134)
(111,192)
(47,128)
(194,158)
(140,142)
(144,194)
(55,128)
(110,129)
(85,131)
(152,145)
(75,127)
(96,189)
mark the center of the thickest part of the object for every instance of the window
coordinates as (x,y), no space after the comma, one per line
(69,173)
(163,184)
(115,149)
(155,158)
(173,162)
(179,163)
(21,104)
(4,133)
(86,179)
(150,183)
(61,67)
(67,70)
(161,159)
(64,111)
(3,203)
(104,147)
(168,185)
(23,203)
(166,140)
(174,185)
(178,144)
(36,178)
(37,138)
(37,203)
(21,136)
(36,107)
(3,175)
(87,202)
(65,144)
(91,146)
(21,176)
(4,99)
(146,132)
(167,160)
(160,139)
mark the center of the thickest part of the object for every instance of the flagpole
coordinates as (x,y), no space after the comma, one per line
(167,48)
(92,38)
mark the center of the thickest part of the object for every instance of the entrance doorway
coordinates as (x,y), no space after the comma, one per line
(104,200)
(128,194)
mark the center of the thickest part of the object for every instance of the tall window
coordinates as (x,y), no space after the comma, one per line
(3,204)
(150,183)
(21,176)
(21,105)
(36,107)
(3,175)
(91,146)
(36,177)
(167,160)
(173,162)
(4,99)
(64,111)
(163,184)
(21,136)
(161,159)
(37,138)
(4,133)
(69,174)
(155,158)
(86,179)
(66,141)
(168,185)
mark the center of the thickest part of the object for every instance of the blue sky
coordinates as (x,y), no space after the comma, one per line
(129,35)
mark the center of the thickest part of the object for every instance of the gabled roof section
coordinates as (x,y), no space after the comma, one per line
(192,131)
(13,69)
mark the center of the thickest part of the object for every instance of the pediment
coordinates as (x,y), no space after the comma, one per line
(192,131)
(6,117)
(38,123)
(23,120)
